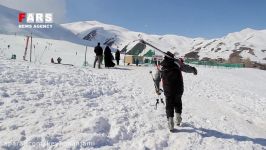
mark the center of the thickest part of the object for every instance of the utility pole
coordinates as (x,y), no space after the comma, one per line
(85,63)
(30,46)
(26,48)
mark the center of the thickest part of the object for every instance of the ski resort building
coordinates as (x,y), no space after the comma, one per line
(140,54)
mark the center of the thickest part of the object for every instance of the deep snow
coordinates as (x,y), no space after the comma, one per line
(73,107)
(64,107)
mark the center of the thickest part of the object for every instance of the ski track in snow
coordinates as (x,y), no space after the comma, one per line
(59,106)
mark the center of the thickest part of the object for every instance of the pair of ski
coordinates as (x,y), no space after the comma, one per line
(159,91)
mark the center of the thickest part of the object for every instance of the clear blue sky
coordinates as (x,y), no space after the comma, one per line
(192,18)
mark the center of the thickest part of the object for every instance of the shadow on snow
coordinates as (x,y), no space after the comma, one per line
(213,133)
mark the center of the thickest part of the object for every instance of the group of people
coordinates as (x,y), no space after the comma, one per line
(59,59)
(106,55)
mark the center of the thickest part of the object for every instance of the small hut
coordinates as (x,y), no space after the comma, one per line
(138,53)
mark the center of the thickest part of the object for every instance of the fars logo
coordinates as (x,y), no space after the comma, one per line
(35,20)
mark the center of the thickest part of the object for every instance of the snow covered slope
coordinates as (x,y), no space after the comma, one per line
(51,106)
(61,107)
(119,37)
(9,25)
(248,43)
(45,49)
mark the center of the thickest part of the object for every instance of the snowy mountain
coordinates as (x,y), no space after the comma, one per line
(233,48)
(119,37)
(247,43)
(9,25)
(51,106)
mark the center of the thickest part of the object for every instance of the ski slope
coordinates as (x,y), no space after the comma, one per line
(45,49)
(48,106)
(9,25)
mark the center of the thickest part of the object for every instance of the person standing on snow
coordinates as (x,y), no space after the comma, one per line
(99,55)
(108,57)
(52,60)
(137,61)
(59,59)
(173,86)
(117,56)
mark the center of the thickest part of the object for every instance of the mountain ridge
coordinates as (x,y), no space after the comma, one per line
(233,48)
(249,42)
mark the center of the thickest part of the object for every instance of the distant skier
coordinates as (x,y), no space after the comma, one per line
(137,61)
(99,55)
(59,60)
(117,56)
(52,60)
(173,86)
(108,57)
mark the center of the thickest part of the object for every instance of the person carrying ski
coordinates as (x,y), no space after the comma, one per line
(99,55)
(173,86)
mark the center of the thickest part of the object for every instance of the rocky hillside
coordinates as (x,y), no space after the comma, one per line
(246,45)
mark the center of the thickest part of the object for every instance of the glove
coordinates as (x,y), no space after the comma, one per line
(195,72)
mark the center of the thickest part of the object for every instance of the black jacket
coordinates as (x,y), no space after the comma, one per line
(108,57)
(98,50)
(117,55)
(171,76)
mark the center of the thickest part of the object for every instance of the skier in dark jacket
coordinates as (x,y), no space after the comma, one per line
(52,60)
(59,59)
(108,57)
(117,56)
(99,55)
(173,86)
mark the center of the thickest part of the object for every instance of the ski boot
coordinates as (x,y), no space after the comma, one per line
(178,119)
(171,124)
